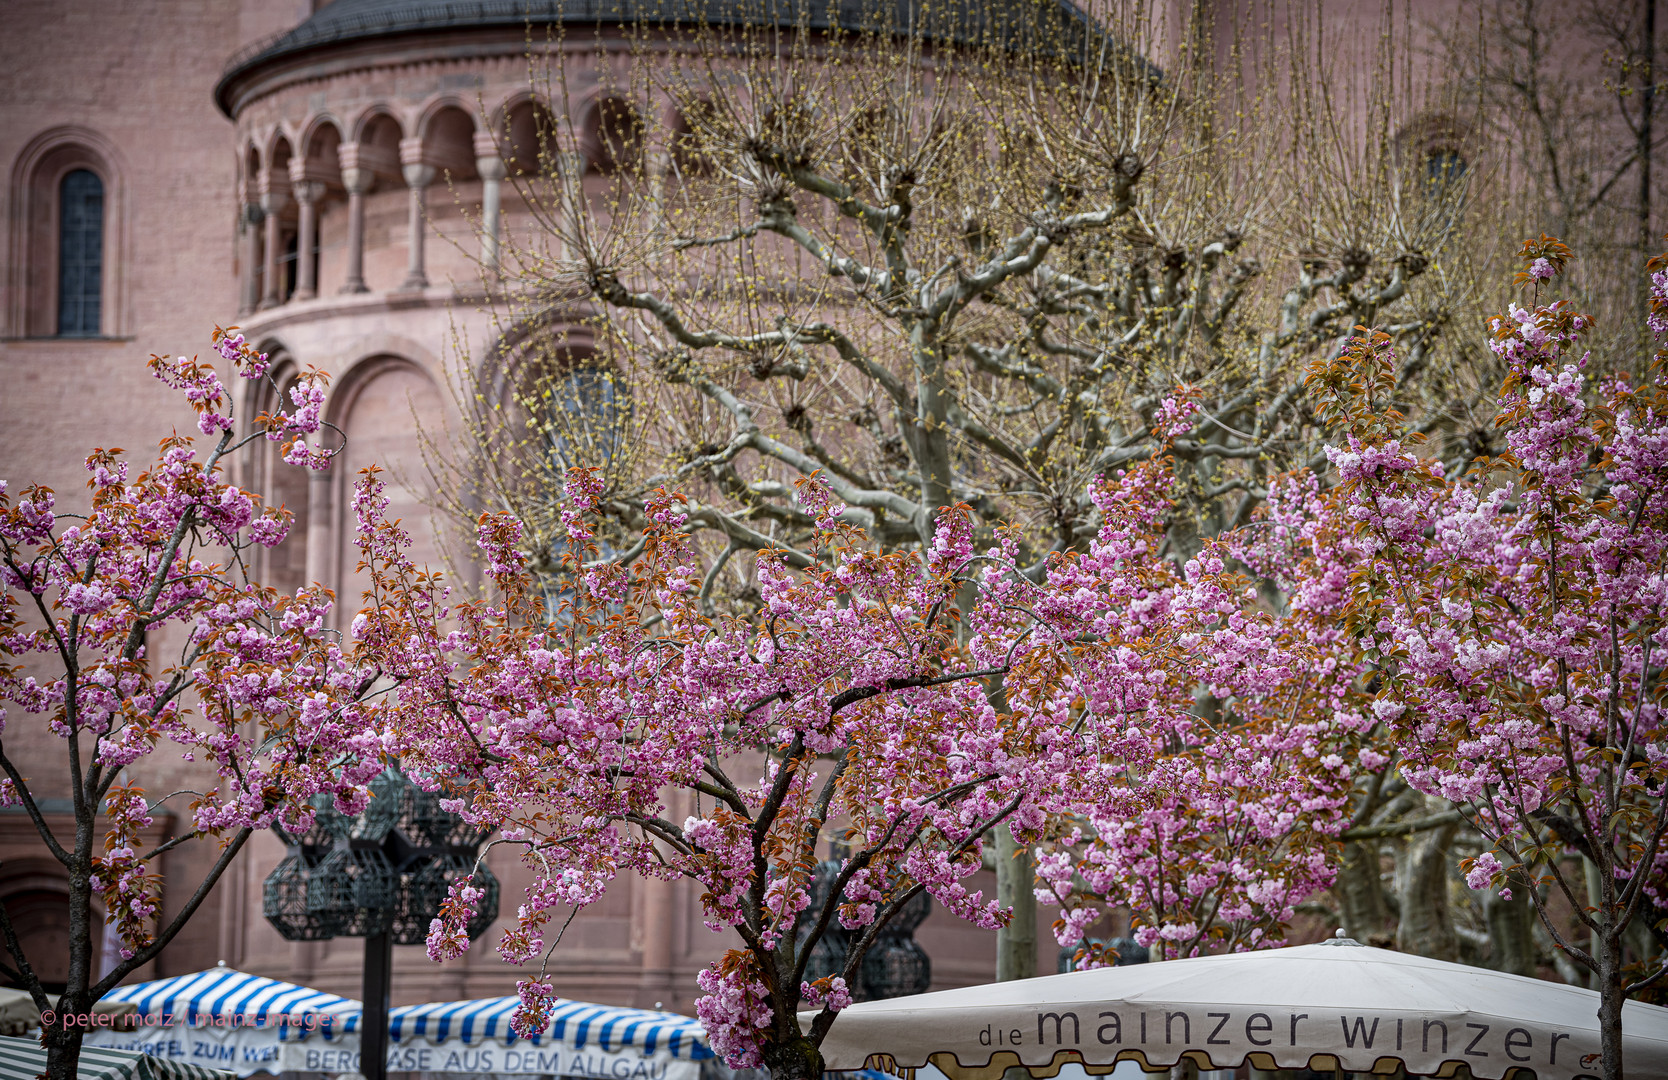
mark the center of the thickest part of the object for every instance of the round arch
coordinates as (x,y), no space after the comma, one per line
(446,129)
(434,108)
(386,404)
(276,140)
(523,127)
(502,361)
(321,133)
(520,99)
(37,173)
(612,134)
(375,121)
(35,892)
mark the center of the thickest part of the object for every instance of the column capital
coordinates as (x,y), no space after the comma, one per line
(273,184)
(491,167)
(411,151)
(274,201)
(418,175)
(377,161)
(307,192)
(253,214)
(304,169)
(348,154)
(486,144)
(358,181)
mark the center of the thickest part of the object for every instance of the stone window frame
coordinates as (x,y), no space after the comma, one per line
(36,184)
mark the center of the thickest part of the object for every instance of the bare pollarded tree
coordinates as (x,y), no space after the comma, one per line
(967,260)
(960,261)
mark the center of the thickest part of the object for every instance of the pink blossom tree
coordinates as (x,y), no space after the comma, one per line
(1248,790)
(905,704)
(1172,741)
(133,630)
(908,705)
(1515,617)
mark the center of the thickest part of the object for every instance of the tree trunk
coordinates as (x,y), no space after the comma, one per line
(797,1059)
(1016,943)
(63,1050)
(1365,911)
(1426,928)
(1511,931)
(1609,957)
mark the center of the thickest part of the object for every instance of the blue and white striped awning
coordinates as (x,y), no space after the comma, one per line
(578,1024)
(225,997)
(222,995)
(24,1059)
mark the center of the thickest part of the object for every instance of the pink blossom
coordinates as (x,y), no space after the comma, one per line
(162,555)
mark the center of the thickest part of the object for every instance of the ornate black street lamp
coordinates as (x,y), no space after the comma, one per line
(381,876)
(895,964)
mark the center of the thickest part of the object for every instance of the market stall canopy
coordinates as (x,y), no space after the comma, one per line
(222,1018)
(474,1037)
(223,993)
(18,1012)
(1333,1005)
(25,1059)
(249,1024)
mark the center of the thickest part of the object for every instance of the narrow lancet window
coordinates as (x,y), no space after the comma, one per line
(80,254)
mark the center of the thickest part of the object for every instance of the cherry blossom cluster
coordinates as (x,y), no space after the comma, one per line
(131,630)
(1514,617)
(1248,732)
(1179,736)
(901,703)
(861,710)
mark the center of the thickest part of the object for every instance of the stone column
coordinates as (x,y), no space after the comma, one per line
(491,169)
(357,181)
(321,525)
(417,178)
(252,215)
(273,201)
(307,194)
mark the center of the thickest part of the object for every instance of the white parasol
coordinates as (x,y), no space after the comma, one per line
(1335,1005)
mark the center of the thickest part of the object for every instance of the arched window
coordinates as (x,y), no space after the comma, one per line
(65,277)
(1444,171)
(80,253)
(584,411)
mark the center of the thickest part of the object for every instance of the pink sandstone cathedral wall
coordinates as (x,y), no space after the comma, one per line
(200,210)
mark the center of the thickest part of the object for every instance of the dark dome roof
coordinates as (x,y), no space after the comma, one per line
(347,22)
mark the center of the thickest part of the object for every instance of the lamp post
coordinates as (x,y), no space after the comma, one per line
(381,876)
(895,964)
